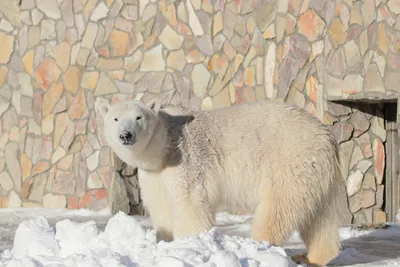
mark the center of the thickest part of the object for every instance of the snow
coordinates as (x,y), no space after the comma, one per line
(41,237)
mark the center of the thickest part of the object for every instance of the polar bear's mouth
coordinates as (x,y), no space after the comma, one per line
(128,143)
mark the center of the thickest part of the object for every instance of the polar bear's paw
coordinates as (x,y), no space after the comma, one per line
(302,259)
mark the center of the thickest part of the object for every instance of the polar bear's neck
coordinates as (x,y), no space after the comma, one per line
(164,148)
(152,156)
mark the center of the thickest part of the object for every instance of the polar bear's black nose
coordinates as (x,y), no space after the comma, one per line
(126,136)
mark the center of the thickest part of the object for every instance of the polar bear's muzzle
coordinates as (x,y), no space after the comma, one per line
(127,138)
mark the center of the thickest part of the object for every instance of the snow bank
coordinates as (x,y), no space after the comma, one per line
(34,238)
(125,242)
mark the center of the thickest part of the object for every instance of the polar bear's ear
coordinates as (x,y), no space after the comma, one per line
(155,105)
(102,106)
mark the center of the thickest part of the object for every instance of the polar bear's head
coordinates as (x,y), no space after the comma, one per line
(128,125)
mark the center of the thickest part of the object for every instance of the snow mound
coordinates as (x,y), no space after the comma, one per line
(35,238)
(125,242)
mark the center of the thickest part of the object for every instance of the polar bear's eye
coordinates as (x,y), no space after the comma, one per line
(115,119)
(138,118)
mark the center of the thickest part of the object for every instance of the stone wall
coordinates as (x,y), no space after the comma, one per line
(361,134)
(58,56)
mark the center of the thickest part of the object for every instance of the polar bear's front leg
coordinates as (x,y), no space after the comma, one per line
(155,200)
(193,212)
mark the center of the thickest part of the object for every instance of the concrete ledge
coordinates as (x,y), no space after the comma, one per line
(369,97)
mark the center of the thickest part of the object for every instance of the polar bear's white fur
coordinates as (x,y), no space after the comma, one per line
(269,158)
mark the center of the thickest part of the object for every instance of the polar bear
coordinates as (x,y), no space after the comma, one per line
(269,158)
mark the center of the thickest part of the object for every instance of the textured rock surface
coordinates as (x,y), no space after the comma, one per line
(367,159)
(57,57)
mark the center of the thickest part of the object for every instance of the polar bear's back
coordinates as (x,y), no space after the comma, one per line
(270,128)
(246,147)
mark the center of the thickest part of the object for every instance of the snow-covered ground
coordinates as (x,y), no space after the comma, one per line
(40,237)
